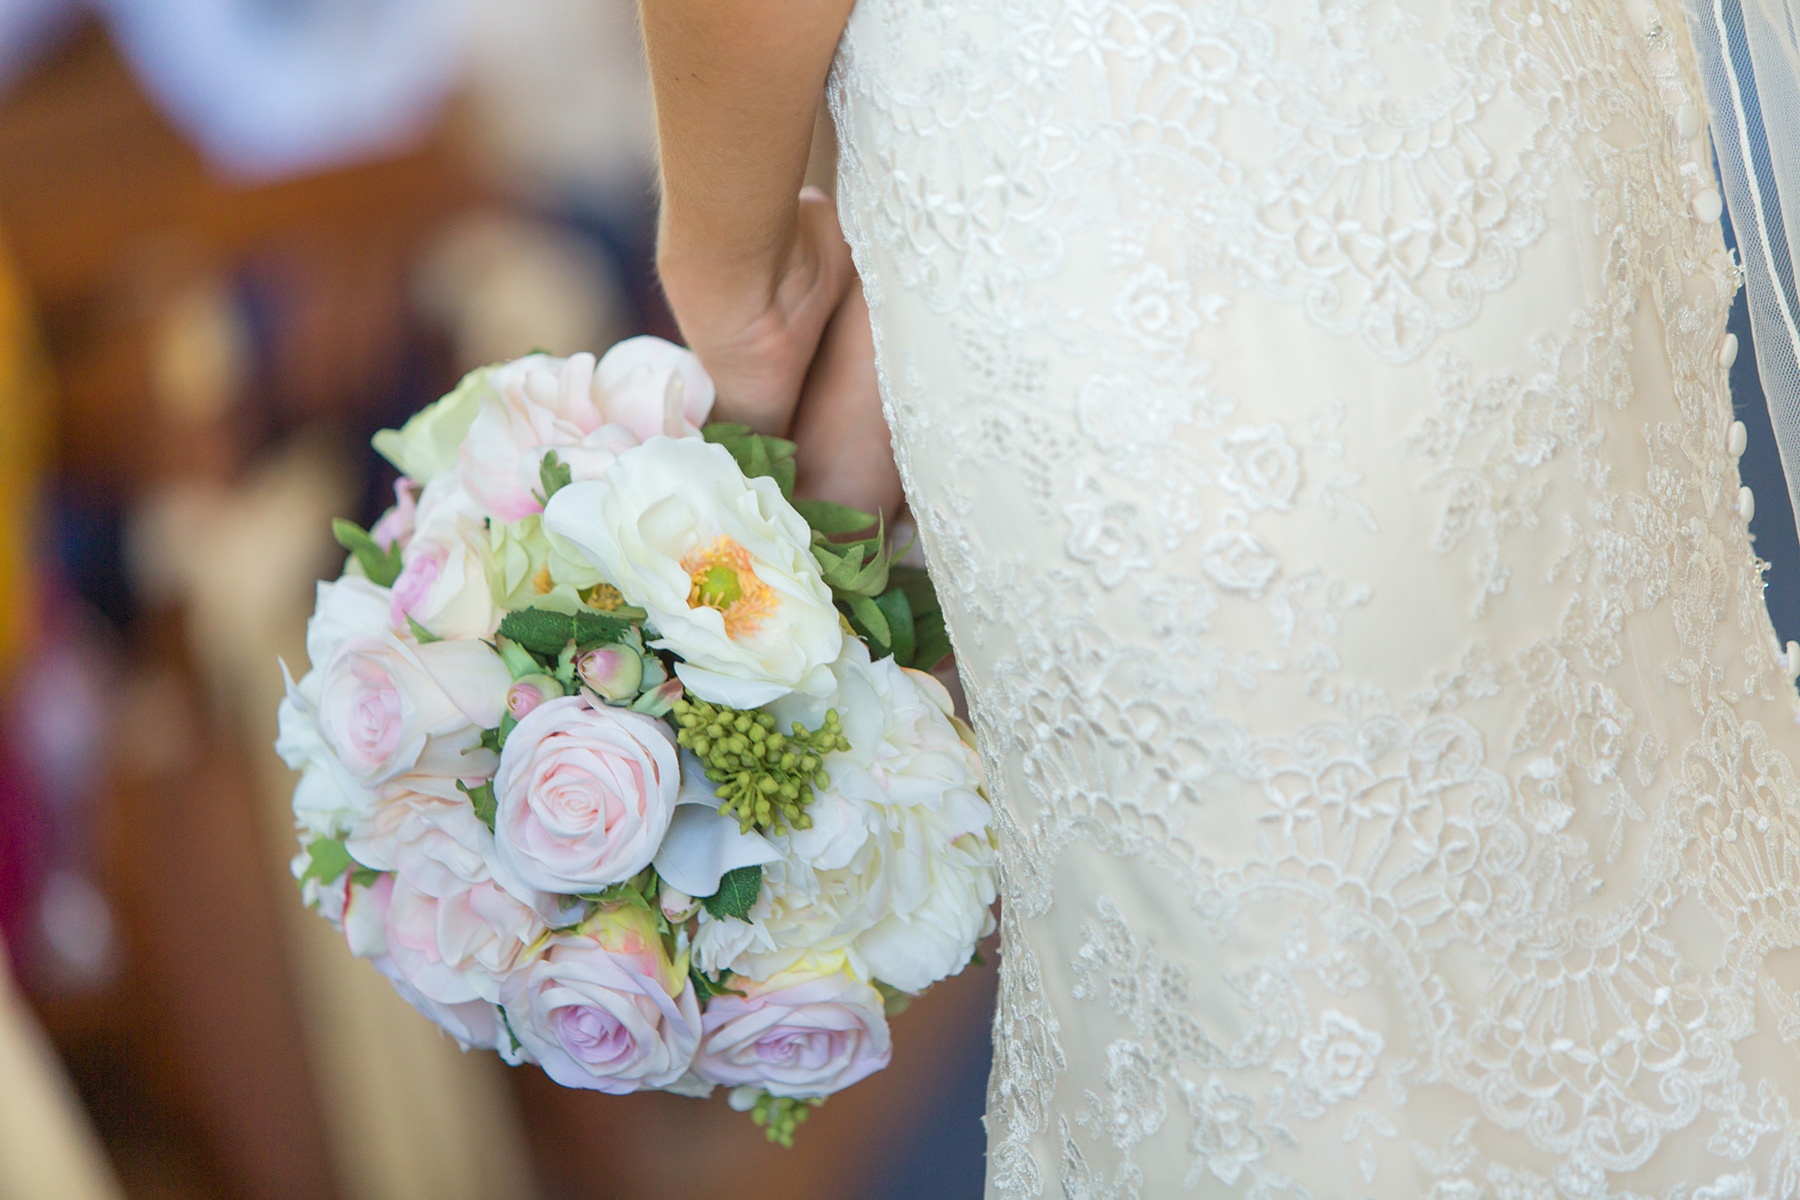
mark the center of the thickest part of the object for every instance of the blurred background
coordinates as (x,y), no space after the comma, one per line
(236,238)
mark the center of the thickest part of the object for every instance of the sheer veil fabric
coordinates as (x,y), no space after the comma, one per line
(1749,55)
(1315,417)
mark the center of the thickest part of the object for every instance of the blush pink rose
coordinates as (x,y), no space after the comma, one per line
(443,581)
(605,1009)
(584,795)
(396,524)
(587,412)
(475,1024)
(799,1033)
(382,703)
(452,930)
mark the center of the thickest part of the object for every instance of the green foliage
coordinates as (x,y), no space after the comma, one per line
(904,621)
(482,797)
(495,739)
(893,1000)
(763,778)
(554,475)
(706,988)
(737,892)
(781,1115)
(834,519)
(636,892)
(757,455)
(854,568)
(423,635)
(547,634)
(381,566)
(518,660)
(329,859)
(930,641)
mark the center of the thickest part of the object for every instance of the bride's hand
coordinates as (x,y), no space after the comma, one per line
(757,326)
(844,451)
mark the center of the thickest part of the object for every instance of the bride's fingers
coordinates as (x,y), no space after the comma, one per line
(844,450)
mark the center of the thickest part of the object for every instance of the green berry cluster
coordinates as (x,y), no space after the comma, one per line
(781,1115)
(764,778)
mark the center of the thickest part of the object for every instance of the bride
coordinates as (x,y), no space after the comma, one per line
(1315,412)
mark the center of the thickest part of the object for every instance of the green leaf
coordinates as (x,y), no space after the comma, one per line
(483,799)
(490,739)
(931,643)
(624,893)
(737,892)
(845,562)
(381,566)
(329,860)
(518,660)
(424,635)
(916,583)
(705,989)
(895,607)
(834,519)
(546,633)
(871,581)
(873,621)
(757,455)
(554,474)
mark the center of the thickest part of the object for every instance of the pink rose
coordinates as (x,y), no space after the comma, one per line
(443,581)
(386,707)
(584,795)
(587,412)
(452,931)
(475,1024)
(799,1033)
(396,524)
(605,1008)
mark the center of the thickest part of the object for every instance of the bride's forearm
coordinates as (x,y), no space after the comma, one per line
(737,86)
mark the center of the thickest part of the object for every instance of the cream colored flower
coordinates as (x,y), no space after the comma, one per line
(722,564)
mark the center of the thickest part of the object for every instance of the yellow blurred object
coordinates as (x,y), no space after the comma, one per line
(47,1150)
(24,388)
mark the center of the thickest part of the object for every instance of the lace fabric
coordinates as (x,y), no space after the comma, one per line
(1314,414)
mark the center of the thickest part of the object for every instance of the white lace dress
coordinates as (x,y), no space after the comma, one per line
(1315,415)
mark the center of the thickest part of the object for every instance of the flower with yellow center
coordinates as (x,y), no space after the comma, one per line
(725,579)
(721,564)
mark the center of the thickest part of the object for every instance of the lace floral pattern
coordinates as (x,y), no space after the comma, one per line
(1313,416)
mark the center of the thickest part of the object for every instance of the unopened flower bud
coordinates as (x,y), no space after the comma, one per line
(529,692)
(678,906)
(613,672)
(656,702)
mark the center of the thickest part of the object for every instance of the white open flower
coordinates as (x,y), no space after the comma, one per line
(722,564)
(898,868)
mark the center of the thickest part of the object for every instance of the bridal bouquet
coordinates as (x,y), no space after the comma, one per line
(618,759)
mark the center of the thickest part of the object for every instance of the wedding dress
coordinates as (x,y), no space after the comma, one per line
(1316,416)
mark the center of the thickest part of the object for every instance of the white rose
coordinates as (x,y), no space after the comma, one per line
(328,798)
(443,581)
(899,865)
(723,565)
(587,412)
